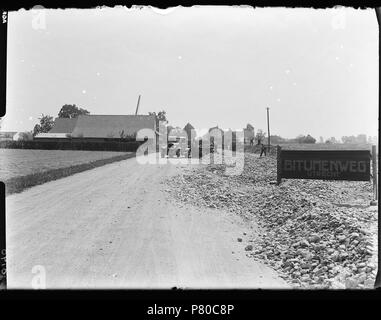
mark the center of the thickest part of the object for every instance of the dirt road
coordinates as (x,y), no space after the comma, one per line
(113,227)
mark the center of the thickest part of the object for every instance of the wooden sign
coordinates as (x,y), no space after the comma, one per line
(324,164)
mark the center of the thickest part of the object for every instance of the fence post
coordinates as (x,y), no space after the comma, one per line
(200,149)
(377,283)
(374,173)
(278,165)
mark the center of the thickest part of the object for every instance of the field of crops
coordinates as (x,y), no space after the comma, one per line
(325,146)
(19,162)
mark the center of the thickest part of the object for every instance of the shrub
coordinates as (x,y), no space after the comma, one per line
(23,136)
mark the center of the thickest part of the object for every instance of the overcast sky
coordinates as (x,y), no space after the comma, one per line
(317,70)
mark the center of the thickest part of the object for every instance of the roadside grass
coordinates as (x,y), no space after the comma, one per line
(19,184)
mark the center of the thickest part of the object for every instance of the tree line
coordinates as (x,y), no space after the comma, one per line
(276,139)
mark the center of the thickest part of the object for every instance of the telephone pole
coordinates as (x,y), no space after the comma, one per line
(137,106)
(268,129)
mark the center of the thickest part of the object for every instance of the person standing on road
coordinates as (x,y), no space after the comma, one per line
(263,149)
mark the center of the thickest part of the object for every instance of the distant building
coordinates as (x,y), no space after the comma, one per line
(188,129)
(229,137)
(7,135)
(248,134)
(216,128)
(23,136)
(176,134)
(15,135)
(216,136)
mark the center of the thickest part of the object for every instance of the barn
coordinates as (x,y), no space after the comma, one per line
(99,127)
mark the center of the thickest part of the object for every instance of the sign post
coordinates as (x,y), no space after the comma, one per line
(279,165)
(268,131)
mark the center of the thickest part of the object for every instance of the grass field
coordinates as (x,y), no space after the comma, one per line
(21,169)
(19,162)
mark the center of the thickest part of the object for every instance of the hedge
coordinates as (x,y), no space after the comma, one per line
(121,146)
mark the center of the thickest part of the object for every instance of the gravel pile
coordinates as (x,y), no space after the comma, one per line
(315,233)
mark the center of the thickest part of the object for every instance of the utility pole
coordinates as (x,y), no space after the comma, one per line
(268,129)
(137,106)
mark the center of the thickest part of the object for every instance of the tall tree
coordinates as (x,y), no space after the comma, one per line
(361,138)
(71,111)
(349,139)
(309,139)
(331,140)
(161,115)
(169,129)
(260,136)
(305,139)
(275,139)
(46,123)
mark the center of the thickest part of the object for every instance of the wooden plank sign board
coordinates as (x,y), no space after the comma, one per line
(324,164)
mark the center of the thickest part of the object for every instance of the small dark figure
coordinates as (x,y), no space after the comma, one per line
(170,145)
(263,149)
(251,141)
(212,147)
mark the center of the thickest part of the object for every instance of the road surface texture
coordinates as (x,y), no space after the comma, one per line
(113,227)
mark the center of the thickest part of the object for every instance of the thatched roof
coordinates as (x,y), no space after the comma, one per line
(111,126)
(63,125)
